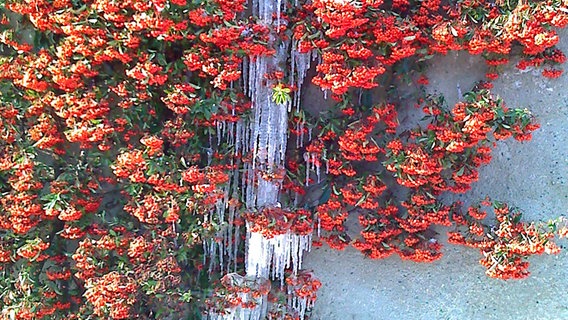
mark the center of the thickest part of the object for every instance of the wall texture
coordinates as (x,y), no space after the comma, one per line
(532,176)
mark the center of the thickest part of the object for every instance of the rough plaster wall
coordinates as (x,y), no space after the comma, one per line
(532,176)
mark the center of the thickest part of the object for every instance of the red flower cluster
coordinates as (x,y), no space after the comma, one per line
(303,286)
(337,76)
(112,295)
(339,18)
(331,217)
(463,133)
(379,232)
(22,210)
(423,211)
(506,245)
(237,292)
(273,221)
(131,165)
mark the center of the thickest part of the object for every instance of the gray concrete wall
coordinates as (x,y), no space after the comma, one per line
(532,176)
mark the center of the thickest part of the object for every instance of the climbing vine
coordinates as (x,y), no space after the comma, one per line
(144,171)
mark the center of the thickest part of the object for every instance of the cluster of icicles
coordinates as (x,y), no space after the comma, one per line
(264,136)
(277,252)
(253,285)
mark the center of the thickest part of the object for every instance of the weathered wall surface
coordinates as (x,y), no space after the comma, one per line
(532,176)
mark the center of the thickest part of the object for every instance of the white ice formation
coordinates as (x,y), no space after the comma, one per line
(264,138)
(281,252)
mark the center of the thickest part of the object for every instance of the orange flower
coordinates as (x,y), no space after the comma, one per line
(70,213)
(153,144)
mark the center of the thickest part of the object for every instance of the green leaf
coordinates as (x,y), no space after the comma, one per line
(186,297)
(363,198)
(335,192)
(460,172)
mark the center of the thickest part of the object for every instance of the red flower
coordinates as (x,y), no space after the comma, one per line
(492,76)
(423,80)
(154,145)
(552,73)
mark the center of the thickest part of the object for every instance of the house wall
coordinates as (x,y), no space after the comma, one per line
(532,176)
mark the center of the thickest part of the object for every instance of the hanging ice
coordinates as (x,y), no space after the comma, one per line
(307,160)
(302,124)
(222,250)
(318,169)
(301,305)
(278,9)
(256,293)
(263,137)
(300,64)
(282,251)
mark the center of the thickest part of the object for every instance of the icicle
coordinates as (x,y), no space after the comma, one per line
(270,144)
(293,68)
(307,160)
(312,162)
(221,256)
(218,125)
(261,129)
(231,134)
(205,252)
(297,128)
(255,7)
(280,255)
(309,133)
(300,303)
(228,239)
(318,165)
(248,185)
(300,64)
(245,75)
(252,79)
(283,135)
(299,244)
(212,253)
(282,250)
(247,137)
(236,247)
(261,192)
(258,254)
(238,137)
(278,5)
(302,124)
(220,208)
